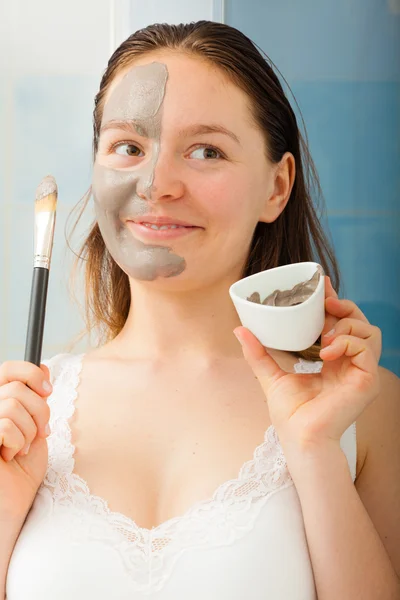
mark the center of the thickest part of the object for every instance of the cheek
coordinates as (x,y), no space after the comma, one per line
(221,197)
(112,189)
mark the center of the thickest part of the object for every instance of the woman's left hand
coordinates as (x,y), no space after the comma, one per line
(310,410)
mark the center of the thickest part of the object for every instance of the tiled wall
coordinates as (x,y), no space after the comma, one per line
(342,62)
(55,56)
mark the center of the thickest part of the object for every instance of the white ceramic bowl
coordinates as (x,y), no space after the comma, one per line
(290,328)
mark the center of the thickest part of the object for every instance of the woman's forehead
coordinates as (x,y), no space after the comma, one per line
(138,94)
(189,90)
(186,76)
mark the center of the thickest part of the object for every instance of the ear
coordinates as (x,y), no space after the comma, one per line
(284,175)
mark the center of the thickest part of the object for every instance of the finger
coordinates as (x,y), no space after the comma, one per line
(13,409)
(46,371)
(263,365)
(359,329)
(26,373)
(355,348)
(330,320)
(344,308)
(355,328)
(11,439)
(33,404)
(329,289)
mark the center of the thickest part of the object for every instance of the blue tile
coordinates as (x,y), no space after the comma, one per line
(3,288)
(387,317)
(368,252)
(341,60)
(353,131)
(311,40)
(53,134)
(3,224)
(391,362)
(20,264)
(11,353)
(377,147)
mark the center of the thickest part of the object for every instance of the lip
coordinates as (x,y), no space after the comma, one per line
(152,235)
(154,220)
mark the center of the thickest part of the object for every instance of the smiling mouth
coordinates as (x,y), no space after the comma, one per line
(160,231)
(161,223)
(165,227)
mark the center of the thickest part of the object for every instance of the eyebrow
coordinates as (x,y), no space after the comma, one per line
(204,129)
(129,125)
(132,127)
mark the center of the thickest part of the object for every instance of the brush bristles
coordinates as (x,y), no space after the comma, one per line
(46,204)
(46,195)
(46,187)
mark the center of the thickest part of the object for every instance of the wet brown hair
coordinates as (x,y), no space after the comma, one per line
(295,236)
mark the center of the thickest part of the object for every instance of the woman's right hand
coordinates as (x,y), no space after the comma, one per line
(24,414)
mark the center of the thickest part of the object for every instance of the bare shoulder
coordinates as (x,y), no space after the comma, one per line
(378,481)
(381,420)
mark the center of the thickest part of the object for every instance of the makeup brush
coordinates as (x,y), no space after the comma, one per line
(45,219)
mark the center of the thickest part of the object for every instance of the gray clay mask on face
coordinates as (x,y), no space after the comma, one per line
(138,97)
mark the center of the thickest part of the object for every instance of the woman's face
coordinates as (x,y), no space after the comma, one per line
(178,146)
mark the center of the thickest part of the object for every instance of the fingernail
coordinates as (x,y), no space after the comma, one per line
(26,449)
(47,429)
(239,339)
(47,387)
(331,332)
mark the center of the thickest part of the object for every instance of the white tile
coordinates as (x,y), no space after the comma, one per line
(52,134)
(58,37)
(159,11)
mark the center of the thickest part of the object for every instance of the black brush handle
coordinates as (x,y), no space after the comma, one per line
(37,311)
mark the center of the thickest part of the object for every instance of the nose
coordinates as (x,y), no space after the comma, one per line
(164,183)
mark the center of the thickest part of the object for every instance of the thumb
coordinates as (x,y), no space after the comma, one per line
(45,370)
(264,367)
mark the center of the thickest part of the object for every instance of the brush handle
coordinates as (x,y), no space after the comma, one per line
(37,310)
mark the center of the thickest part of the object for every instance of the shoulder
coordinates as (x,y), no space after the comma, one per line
(378,482)
(59,363)
(379,424)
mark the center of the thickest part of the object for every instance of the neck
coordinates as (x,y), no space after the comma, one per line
(191,325)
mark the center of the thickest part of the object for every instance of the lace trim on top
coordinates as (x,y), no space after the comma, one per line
(149,555)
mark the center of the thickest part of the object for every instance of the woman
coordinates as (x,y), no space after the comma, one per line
(198,181)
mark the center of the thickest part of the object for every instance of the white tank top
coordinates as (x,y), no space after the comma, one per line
(247,541)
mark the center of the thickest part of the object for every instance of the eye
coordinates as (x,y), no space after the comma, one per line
(128,150)
(207,152)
